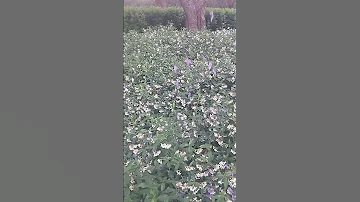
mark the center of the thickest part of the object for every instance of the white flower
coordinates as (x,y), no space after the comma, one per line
(198,151)
(220,142)
(222,164)
(232,182)
(194,189)
(140,136)
(159,161)
(199,167)
(178,184)
(157,153)
(165,146)
(205,174)
(135,151)
(198,176)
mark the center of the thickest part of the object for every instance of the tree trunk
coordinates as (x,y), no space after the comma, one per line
(228,3)
(232,3)
(194,14)
(162,3)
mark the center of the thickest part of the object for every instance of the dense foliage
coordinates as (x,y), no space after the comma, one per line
(176,3)
(140,18)
(179,127)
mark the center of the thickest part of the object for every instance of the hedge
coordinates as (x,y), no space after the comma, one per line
(140,18)
(179,115)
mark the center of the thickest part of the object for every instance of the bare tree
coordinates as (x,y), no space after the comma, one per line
(194,14)
(162,3)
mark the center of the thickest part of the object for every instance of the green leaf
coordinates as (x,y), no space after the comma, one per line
(163,198)
(127,199)
(147,199)
(162,186)
(186,200)
(226,183)
(126,179)
(142,185)
(210,156)
(126,191)
(207,146)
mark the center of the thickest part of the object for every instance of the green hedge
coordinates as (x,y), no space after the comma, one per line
(140,18)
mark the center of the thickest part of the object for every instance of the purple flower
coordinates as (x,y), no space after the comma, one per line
(177,84)
(210,65)
(208,196)
(214,72)
(134,155)
(229,191)
(204,58)
(211,16)
(133,137)
(175,68)
(157,91)
(189,94)
(227,167)
(233,197)
(188,62)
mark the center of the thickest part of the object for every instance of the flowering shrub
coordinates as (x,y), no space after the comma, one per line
(179,103)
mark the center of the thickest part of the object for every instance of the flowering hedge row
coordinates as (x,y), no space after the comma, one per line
(139,18)
(179,103)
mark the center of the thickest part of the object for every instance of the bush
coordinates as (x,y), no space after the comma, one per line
(140,18)
(179,127)
(176,3)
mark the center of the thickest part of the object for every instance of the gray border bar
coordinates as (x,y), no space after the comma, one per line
(61,101)
(298,104)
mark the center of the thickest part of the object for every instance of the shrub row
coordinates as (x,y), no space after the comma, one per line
(180,115)
(140,18)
